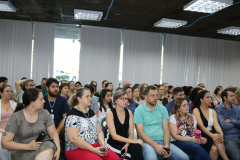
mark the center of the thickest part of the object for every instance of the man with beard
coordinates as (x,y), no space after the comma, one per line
(151,120)
(56,105)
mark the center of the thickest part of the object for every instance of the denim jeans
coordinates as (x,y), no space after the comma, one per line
(193,149)
(149,153)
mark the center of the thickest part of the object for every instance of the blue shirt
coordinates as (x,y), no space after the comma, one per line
(151,120)
(133,105)
(170,105)
(230,130)
(60,107)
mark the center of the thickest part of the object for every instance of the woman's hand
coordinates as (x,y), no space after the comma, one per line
(193,139)
(139,141)
(34,145)
(217,138)
(125,147)
(203,140)
(98,151)
(57,155)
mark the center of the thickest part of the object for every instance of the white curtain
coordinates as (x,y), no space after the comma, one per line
(15,49)
(99,55)
(192,60)
(142,57)
(44,34)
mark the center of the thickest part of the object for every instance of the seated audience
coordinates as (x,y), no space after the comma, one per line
(135,92)
(161,98)
(170,92)
(166,89)
(131,105)
(142,87)
(177,93)
(208,124)
(236,101)
(26,124)
(121,129)
(71,88)
(7,107)
(151,120)
(187,93)
(183,126)
(217,99)
(84,139)
(63,90)
(42,86)
(22,85)
(229,119)
(104,82)
(193,96)
(105,103)
(109,86)
(94,104)
(3,80)
(126,83)
(78,85)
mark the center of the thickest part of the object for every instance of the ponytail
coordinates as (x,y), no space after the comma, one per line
(19,107)
(73,101)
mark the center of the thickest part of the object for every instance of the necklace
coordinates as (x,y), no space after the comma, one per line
(83,113)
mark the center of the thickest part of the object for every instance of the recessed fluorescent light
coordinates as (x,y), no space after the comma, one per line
(207,6)
(87,15)
(169,23)
(232,30)
(6,7)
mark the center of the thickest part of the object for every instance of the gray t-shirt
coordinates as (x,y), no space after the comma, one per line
(94,105)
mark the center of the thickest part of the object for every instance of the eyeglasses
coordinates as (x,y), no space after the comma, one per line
(123,99)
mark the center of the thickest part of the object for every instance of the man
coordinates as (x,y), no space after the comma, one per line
(42,86)
(23,85)
(229,120)
(126,83)
(177,93)
(104,82)
(201,85)
(56,105)
(94,104)
(109,86)
(151,121)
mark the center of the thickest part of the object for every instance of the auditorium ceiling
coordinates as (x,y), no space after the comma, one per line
(130,14)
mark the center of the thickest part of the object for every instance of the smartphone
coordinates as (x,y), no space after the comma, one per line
(41,137)
(167,150)
(104,149)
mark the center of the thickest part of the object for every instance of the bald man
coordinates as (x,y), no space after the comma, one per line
(126,83)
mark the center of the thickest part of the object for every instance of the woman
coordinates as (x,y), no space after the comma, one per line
(131,105)
(193,96)
(121,129)
(143,86)
(26,124)
(135,91)
(105,104)
(166,89)
(7,107)
(208,124)
(71,88)
(217,99)
(78,85)
(84,136)
(170,92)
(64,89)
(161,97)
(184,137)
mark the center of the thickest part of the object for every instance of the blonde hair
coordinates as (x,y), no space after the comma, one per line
(141,89)
(237,94)
(176,105)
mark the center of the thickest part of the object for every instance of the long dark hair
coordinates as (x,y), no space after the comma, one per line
(197,102)
(194,93)
(101,99)
(28,96)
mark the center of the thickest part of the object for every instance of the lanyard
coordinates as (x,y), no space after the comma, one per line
(51,106)
(85,115)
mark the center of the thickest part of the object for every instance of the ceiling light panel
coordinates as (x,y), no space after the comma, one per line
(6,7)
(207,6)
(230,31)
(87,15)
(169,23)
